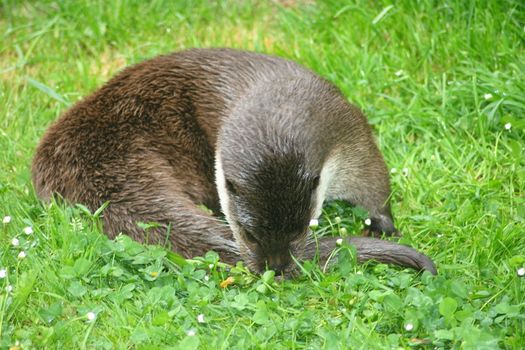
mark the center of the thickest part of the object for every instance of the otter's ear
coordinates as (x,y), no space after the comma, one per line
(231,187)
(316,181)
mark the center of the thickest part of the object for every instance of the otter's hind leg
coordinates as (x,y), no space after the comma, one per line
(169,193)
(366,185)
(189,230)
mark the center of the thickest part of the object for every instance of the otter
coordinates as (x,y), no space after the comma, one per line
(261,139)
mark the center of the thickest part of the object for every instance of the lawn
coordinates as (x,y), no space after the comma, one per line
(442,83)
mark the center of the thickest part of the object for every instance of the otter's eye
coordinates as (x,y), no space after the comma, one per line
(250,238)
(231,187)
(316,180)
(247,235)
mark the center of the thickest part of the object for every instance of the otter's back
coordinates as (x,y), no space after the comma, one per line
(171,106)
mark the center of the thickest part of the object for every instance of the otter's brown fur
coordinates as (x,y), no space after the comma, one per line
(148,140)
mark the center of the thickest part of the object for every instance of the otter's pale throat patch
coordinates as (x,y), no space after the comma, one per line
(221,188)
(327,174)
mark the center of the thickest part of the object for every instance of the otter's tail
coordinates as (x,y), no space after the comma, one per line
(368,248)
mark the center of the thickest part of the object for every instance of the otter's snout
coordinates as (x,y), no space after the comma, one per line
(278,262)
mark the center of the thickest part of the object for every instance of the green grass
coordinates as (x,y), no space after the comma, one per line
(421,71)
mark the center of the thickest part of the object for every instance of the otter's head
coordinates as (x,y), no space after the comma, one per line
(268,199)
(270,170)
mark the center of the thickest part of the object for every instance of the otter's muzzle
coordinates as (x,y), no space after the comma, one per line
(278,262)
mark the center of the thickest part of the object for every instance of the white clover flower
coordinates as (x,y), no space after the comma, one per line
(191,332)
(508,126)
(521,272)
(22,255)
(343,231)
(487,96)
(3,273)
(393,171)
(200,318)
(206,278)
(368,222)
(409,327)
(359,273)
(6,219)
(15,242)
(28,230)
(339,242)
(9,288)
(314,223)
(337,220)
(91,316)
(211,266)
(405,171)
(399,73)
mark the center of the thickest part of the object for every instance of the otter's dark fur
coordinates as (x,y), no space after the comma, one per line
(260,138)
